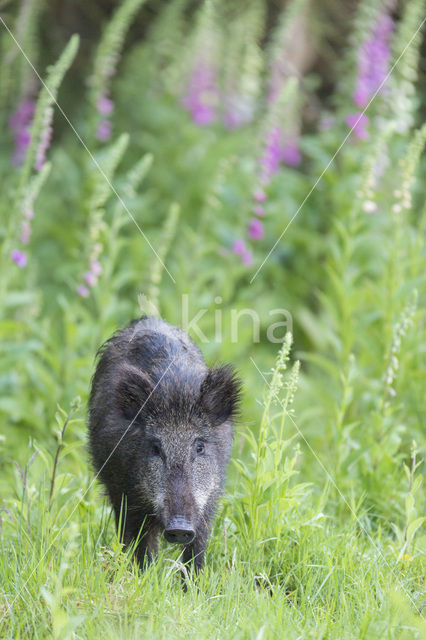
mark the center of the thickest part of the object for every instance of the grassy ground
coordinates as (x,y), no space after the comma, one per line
(277,565)
(63,574)
(327,583)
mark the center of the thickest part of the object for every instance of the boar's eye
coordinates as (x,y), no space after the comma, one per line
(155,449)
(199,447)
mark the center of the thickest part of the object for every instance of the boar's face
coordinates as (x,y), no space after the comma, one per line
(184,471)
(184,442)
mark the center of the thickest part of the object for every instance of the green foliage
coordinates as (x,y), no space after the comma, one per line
(267,505)
(109,49)
(45,102)
(409,33)
(158,265)
(16,76)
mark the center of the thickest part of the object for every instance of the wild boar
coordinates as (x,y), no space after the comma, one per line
(160,435)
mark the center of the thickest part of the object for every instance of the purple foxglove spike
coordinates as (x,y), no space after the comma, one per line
(260,195)
(90,278)
(358,123)
(201,96)
(258,210)
(83,291)
(247,258)
(239,247)
(25,232)
(96,267)
(255,231)
(104,129)
(373,61)
(291,154)
(105,106)
(20,257)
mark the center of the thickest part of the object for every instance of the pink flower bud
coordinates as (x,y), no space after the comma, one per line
(90,278)
(239,247)
(25,232)
(19,257)
(259,210)
(255,231)
(96,267)
(103,132)
(105,106)
(83,291)
(260,195)
(247,258)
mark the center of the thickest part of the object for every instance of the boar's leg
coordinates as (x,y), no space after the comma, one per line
(194,552)
(147,545)
(135,526)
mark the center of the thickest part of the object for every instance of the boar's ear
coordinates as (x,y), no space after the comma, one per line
(220,394)
(132,391)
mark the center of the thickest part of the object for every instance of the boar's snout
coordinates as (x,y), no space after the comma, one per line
(179,530)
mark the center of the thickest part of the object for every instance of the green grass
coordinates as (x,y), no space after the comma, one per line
(63,572)
(277,566)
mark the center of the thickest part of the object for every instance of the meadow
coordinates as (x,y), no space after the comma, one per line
(196,161)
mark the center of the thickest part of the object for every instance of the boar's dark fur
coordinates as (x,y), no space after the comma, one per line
(160,433)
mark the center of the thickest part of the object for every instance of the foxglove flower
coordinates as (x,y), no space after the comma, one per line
(20,123)
(358,123)
(95,270)
(90,278)
(45,138)
(247,258)
(272,155)
(202,94)
(101,99)
(278,150)
(25,232)
(255,231)
(105,106)
(83,291)
(373,61)
(239,247)
(260,196)
(291,153)
(238,111)
(103,132)
(258,210)
(20,257)
(373,66)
